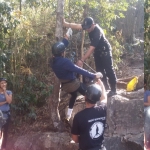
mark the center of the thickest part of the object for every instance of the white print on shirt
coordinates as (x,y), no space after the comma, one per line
(96,130)
(96,119)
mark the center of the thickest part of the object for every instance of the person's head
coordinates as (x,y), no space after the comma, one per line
(93,93)
(3,82)
(58,49)
(88,24)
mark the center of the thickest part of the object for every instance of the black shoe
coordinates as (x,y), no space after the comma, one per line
(111,93)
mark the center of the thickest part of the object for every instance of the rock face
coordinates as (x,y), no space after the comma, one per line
(125,127)
(126,121)
(45,141)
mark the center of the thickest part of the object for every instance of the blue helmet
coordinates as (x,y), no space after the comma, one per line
(58,48)
(93,93)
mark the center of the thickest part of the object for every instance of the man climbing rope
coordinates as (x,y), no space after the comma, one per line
(64,69)
(102,51)
(89,124)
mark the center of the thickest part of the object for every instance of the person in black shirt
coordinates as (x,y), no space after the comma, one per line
(89,124)
(102,52)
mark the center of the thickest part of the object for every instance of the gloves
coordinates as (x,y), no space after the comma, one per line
(98,75)
(69,32)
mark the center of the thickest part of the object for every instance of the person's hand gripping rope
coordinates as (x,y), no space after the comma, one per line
(69,33)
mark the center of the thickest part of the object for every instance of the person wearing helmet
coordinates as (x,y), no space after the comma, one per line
(65,71)
(89,124)
(5,100)
(102,50)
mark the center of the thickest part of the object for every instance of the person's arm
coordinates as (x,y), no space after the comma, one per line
(88,53)
(72,25)
(94,43)
(148,101)
(65,41)
(75,132)
(75,138)
(2,103)
(66,37)
(74,68)
(104,95)
(8,98)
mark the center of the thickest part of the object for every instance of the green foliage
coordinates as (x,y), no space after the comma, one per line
(7,21)
(22,51)
(147,39)
(7,24)
(29,92)
(104,13)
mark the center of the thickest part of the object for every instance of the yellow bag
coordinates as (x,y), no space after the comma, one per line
(131,86)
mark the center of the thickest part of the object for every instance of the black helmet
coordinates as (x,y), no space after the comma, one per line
(87,23)
(93,93)
(58,48)
(3,79)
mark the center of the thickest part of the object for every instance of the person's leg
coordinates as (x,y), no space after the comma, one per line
(110,73)
(71,104)
(5,133)
(82,89)
(99,64)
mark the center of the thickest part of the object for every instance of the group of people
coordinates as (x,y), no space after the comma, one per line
(89,124)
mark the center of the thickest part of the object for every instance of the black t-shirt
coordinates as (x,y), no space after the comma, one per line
(89,124)
(98,39)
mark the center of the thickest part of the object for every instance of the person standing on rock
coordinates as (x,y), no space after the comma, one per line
(102,52)
(65,71)
(89,124)
(146,97)
(5,100)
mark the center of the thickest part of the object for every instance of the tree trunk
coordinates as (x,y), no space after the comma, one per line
(55,121)
(20,5)
(59,27)
(83,32)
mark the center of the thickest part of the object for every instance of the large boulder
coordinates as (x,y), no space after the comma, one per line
(45,141)
(125,127)
(125,119)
